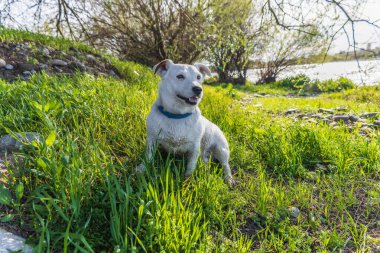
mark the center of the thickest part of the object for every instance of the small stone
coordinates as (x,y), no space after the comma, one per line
(291,111)
(369,114)
(43,66)
(2,63)
(27,66)
(27,73)
(354,118)
(343,118)
(91,58)
(112,73)
(57,62)
(45,51)
(317,115)
(294,211)
(8,67)
(12,243)
(257,95)
(341,108)
(77,65)
(312,176)
(326,120)
(323,110)
(300,116)
(9,144)
(73,49)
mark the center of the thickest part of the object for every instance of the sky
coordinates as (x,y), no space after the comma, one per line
(364,32)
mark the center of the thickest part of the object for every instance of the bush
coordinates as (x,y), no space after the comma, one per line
(303,84)
(294,82)
(341,83)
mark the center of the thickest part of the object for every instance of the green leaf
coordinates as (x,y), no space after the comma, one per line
(7,218)
(50,139)
(5,196)
(41,163)
(19,191)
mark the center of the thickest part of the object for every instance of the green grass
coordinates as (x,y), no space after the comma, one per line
(79,192)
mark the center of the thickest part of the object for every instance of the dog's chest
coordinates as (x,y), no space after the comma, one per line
(176,136)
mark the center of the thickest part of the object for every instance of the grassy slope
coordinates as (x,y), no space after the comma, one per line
(80,191)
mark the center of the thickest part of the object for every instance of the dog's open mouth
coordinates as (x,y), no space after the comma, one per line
(191,100)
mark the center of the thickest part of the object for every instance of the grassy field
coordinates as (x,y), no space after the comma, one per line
(77,191)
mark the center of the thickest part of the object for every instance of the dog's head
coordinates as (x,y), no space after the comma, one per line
(181,85)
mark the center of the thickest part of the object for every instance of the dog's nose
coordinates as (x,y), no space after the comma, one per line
(197,90)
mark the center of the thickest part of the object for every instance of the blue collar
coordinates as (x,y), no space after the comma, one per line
(172,115)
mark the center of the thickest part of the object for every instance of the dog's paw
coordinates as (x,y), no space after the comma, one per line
(140,168)
(230,181)
(186,177)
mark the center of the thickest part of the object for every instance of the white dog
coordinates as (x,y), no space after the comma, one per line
(175,122)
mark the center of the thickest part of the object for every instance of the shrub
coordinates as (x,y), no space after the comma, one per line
(341,83)
(303,84)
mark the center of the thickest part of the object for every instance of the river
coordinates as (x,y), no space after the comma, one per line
(368,74)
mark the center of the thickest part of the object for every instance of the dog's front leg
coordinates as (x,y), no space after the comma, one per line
(192,161)
(150,146)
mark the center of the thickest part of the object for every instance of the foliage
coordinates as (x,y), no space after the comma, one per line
(304,84)
(150,31)
(282,47)
(231,39)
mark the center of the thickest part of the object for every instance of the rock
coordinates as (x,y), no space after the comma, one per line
(13,243)
(294,211)
(45,52)
(73,49)
(57,62)
(312,176)
(291,111)
(343,118)
(354,118)
(77,65)
(369,114)
(300,116)
(258,105)
(112,73)
(377,123)
(9,144)
(2,63)
(326,120)
(317,115)
(27,66)
(257,95)
(43,66)
(91,58)
(323,110)
(23,57)
(27,73)
(341,108)
(8,67)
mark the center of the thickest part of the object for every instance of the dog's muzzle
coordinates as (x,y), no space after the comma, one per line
(190,100)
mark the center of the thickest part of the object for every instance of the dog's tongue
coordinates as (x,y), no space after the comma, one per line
(193,99)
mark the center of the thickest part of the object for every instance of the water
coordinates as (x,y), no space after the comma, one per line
(369,74)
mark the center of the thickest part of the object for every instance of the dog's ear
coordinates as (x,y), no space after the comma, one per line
(162,67)
(203,69)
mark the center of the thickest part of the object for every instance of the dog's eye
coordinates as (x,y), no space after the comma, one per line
(180,77)
(199,77)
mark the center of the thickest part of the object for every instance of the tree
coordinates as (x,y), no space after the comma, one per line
(231,40)
(282,48)
(150,31)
